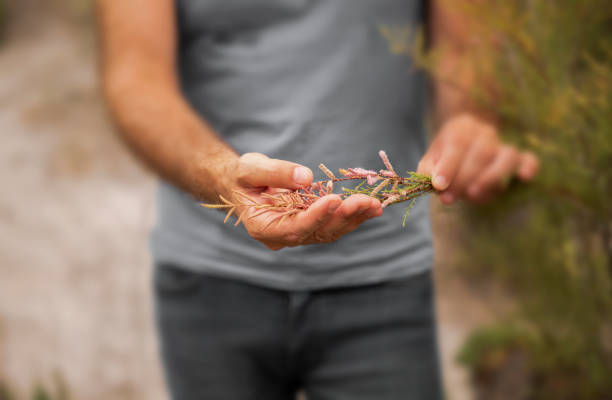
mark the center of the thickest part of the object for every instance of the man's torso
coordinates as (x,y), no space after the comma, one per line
(308,81)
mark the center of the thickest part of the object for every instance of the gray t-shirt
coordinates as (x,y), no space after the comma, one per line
(308,81)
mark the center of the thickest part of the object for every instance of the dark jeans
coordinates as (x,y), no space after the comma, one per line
(227,340)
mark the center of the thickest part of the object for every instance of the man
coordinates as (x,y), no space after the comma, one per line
(225,95)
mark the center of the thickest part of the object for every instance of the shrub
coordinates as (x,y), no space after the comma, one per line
(549,242)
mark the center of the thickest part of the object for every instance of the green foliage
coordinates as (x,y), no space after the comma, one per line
(407,212)
(545,69)
(406,189)
(5,392)
(546,375)
(2,17)
(59,391)
(486,346)
(550,242)
(40,393)
(78,9)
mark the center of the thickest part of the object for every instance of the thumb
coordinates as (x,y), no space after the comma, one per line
(257,170)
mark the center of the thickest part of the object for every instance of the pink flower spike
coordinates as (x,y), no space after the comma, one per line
(380,187)
(390,200)
(326,171)
(315,187)
(372,179)
(386,161)
(388,174)
(358,172)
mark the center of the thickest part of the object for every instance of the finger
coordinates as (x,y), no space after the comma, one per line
(495,176)
(353,210)
(528,167)
(430,158)
(312,219)
(257,170)
(481,153)
(425,165)
(452,153)
(360,219)
(274,245)
(273,228)
(341,221)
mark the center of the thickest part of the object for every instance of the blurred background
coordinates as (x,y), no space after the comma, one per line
(524,285)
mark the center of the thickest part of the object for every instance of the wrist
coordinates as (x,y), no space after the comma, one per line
(212,176)
(470,119)
(227,176)
(465,114)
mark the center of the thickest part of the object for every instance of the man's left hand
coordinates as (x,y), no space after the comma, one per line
(467,160)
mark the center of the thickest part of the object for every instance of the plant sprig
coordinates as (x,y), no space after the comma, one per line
(385,185)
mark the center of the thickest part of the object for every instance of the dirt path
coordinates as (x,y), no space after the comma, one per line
(74,215)
(75,212)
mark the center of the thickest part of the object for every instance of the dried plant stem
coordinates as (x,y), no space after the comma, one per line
(393,189)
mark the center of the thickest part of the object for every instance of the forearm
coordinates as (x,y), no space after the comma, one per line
(466,159)
(139,79)
(451,88)
(455,79)
(138,54)
(162,129)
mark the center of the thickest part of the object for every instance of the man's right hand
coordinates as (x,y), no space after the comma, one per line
(326,220)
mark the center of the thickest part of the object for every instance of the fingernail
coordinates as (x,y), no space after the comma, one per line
(333,206)
(525,173)
(374,213)
(362,210)
(301,175)
(447,198)
(440,182)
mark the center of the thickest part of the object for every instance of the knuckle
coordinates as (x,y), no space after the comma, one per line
(511,152)
(461,140)
(334,236)
(321,238)
(245,159)
(488,131)
(243,171)
(448,128)
(466,118)
(250,156)
(328,236)
(486,154)
(460,119)
(245,165)
(486,184)
(484,150)
(344,220)
(479,157)
(321,219)
(361,197)
(421,165)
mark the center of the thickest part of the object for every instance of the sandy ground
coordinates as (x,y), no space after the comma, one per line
(75,212)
